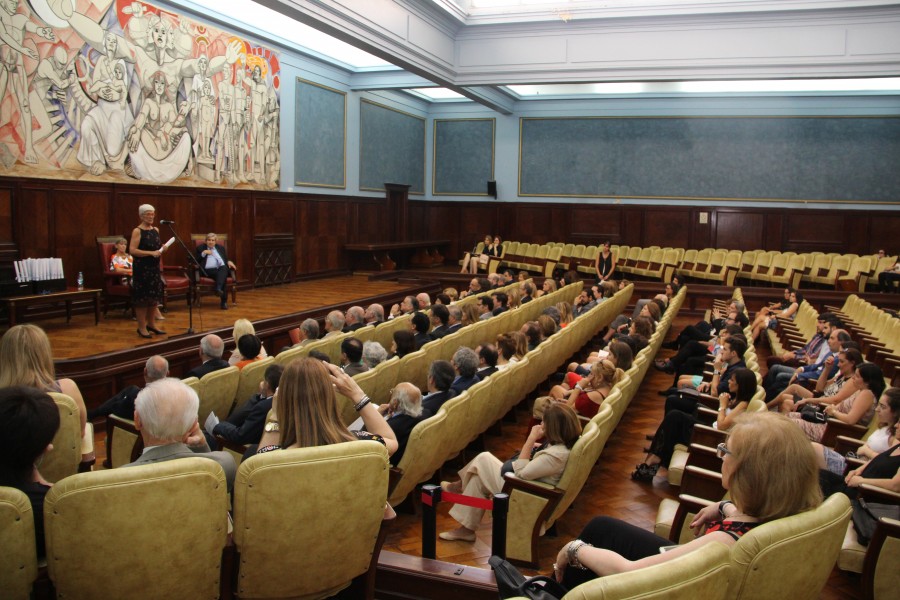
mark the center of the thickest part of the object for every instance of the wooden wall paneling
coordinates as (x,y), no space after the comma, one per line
(301,237)
(739,229)
(535,221)
(589,224)
(326,230)
(7,235)
(805,232)
(631,228)
(171,204)
(478,219)
(883,233)
(240,240)
(370,221)
(32,225)
(664,227)
(78,214)
(856,234)
(701,233)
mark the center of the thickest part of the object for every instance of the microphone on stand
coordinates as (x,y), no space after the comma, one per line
(165,222)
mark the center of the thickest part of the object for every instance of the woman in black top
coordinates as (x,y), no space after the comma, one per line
(604,264)
(28,421)
(146,280)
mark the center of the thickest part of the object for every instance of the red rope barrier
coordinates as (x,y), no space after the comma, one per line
(482,503)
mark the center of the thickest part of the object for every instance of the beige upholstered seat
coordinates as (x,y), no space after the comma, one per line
(700,574)
(248,382)
(764,561)
(19,568)
(307,521)
(879,562)
(123,442)
(217,390)
(66,455)
(118,514)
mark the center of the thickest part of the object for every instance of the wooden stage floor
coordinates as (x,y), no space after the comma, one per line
(117,331)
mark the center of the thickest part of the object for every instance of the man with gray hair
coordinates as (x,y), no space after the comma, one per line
(440,378)
(373,354)
(374,314)
(122,404)
(334,323)
(424,301)
(309,332)
(454,320)
(465,362)
(403,412)
(354,318)
(211,349)
(165,412)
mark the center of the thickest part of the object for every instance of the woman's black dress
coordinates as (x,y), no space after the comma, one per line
(146,281)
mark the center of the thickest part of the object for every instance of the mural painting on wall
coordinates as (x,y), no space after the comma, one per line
(125,91)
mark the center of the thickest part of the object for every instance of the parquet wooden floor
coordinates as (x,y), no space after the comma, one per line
(609,490)
(116,331)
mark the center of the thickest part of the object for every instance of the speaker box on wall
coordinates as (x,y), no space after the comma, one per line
(492,189)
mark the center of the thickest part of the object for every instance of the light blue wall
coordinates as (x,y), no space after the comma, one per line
(294,64)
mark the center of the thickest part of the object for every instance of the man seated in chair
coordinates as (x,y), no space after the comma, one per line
(165,412)
(214,263)
(122,404)
(246,424)
(211,349)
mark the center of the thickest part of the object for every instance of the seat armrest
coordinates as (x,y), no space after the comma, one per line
(511,482)
(834,428)
(872,493)
(707,436)
(702,483)
(844,444)
(229,445)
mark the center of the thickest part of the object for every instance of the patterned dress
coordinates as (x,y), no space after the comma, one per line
(146,280)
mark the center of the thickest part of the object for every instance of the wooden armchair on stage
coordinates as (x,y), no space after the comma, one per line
(113,286)
(175,280)
(206,284)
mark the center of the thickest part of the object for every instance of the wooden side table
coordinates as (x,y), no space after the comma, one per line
(71,294)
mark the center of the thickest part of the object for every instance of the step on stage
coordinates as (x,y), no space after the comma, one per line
(105,358)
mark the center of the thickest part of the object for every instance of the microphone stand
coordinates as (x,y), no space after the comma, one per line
(192,280)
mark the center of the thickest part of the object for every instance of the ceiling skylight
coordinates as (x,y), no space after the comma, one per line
(438,93)
(880,85)
(291,33)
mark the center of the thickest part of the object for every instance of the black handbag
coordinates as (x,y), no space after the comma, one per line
(812,413)
(512,584)
(865,516)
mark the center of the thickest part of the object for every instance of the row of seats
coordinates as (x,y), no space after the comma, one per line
(534,506)
(829,270)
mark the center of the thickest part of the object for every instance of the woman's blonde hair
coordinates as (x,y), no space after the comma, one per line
(513,297)
(561,424)
(26,358)
(565,312)
(470,313)
(307,406)
(241,328)
(452,293)
(552,283)
(609,372)
(774,472)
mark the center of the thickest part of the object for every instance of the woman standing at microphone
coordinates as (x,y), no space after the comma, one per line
(146,280)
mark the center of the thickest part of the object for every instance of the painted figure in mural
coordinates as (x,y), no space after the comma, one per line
(103,129)
(272,149)
(160,150)
(49,90)
(239,113)
(12,64)
(258,110)
(225,151)
(206,122)
(155,47)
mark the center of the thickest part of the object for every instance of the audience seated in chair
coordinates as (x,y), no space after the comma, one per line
(165,413)
(241,328)
(403,412)
(465,363)
(354,318)
(211,350)
(245,425)
(122,404)
(308,332)
(440,377)
(28,421)
(352,357)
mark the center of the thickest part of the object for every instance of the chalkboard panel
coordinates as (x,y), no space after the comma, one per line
(391,148)
(319,136)
(782,158)
(463,156)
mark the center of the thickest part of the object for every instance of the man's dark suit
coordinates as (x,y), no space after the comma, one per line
(485,372)
(439,332)
(213,364)
(433,402)
(461,384)
(353,327)
(454,328)
(421,339)
(402,425)
(245,425)
(220,274)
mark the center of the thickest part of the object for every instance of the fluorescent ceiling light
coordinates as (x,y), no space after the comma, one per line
(438,93)
(275,24)
(887,84)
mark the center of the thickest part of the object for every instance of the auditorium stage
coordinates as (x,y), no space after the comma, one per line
(104,358)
